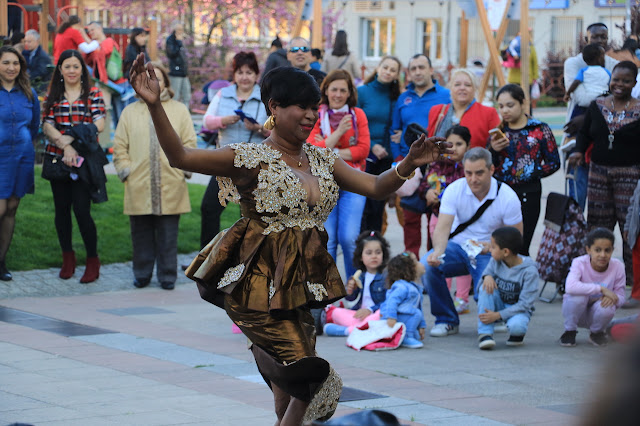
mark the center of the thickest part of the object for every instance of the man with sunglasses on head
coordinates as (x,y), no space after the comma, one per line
(299,55)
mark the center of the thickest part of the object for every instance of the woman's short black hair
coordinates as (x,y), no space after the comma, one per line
(461,131)
(600,233)
(289,86)
(508,237)
(628,65)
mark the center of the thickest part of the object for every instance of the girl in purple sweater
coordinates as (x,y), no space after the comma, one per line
(594,290)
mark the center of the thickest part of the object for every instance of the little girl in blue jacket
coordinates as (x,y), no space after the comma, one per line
(404,298)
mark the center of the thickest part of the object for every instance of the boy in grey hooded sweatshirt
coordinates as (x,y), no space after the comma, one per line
(508,291)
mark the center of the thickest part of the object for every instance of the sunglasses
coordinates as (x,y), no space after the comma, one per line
(303,49)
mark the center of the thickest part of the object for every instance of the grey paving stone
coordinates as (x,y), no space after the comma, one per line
(38,415)
(11,402)
(466,421)
(382,403)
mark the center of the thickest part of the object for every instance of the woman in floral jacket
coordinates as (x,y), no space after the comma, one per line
(526,153)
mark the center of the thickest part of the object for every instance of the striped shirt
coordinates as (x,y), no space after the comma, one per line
(64,115)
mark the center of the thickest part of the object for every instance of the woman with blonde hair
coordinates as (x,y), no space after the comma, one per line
(464,110)
(155,194)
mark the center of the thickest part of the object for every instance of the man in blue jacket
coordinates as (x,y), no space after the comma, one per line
(38,61)
(414,104)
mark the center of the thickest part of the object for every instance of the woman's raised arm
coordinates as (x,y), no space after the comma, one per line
(217,162)
(423,151)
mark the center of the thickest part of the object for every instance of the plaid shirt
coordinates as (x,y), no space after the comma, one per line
(64,116)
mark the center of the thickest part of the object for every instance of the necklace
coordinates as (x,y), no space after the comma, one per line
(299,160)
(613,114)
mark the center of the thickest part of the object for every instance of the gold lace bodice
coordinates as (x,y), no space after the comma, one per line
(279,196)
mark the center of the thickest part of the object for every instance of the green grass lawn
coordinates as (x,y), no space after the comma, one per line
(35,243)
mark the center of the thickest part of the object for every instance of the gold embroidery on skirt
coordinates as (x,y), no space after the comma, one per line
(231,275)
(318,291)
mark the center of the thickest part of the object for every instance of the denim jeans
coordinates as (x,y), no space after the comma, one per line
(579,191)
(411,322)
(517,324)
(456,263)
(343,227)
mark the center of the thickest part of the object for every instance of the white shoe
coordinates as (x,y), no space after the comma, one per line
(500,327)
(443,330)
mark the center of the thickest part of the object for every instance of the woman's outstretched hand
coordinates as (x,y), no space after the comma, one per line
(427,150)
(144,81)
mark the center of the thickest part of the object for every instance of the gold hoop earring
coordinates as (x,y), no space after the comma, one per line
(270,123)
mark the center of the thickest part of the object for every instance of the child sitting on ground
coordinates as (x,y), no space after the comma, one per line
(404,298)
(371,255)
(594,79)
(508,291)
(595,288)
(438,176)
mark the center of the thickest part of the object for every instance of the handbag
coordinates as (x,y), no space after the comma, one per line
(53,169)
(114,65)
(414,203)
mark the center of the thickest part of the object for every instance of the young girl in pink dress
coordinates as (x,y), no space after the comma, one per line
(367,289)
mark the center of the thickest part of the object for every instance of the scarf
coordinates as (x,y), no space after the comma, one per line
(330,120)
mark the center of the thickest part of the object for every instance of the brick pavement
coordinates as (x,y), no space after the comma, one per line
(107,353)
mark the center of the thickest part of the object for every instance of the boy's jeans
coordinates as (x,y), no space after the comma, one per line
(456,263)
(517,324)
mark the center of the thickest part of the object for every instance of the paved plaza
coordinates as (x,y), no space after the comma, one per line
(106,353)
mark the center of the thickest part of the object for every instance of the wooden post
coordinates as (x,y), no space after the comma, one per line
(493,50)
(152,44)
(502,30)
(4,18)
(297,26)
(316,37)
(80,11)
(525,81)
(44,30)
(464,40)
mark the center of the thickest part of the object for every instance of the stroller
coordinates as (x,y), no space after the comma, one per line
(210,137)
(564,239)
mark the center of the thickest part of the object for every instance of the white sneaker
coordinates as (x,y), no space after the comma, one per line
(500,327)
(443,330)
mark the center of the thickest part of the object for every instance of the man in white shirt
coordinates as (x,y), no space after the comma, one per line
(597,33)
(460,202)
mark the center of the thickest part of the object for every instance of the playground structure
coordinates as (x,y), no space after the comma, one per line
(47,15)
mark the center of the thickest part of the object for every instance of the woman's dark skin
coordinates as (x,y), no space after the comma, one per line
(622,82)
(293,126)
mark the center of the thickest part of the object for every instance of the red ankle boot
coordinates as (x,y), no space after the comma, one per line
(92,271)
(68,264)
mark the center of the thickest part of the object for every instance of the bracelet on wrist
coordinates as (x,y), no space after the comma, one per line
(413,173)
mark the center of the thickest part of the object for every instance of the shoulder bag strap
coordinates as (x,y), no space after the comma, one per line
(476,216)
(443,112)
(344,61)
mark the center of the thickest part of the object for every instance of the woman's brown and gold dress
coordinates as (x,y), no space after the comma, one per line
(272,266)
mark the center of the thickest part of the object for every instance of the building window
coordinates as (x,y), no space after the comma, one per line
(565,32)
(379,37)
(430,37)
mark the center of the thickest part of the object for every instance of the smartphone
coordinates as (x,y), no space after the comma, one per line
(79,161)
(240,113)
(497,133)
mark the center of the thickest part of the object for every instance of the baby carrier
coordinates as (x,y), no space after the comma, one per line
(563,240)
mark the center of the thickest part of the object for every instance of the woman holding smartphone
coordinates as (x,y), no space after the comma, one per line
(74,106)
(243,94)
(524,151)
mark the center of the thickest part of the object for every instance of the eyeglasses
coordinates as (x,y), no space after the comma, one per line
(303,49)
